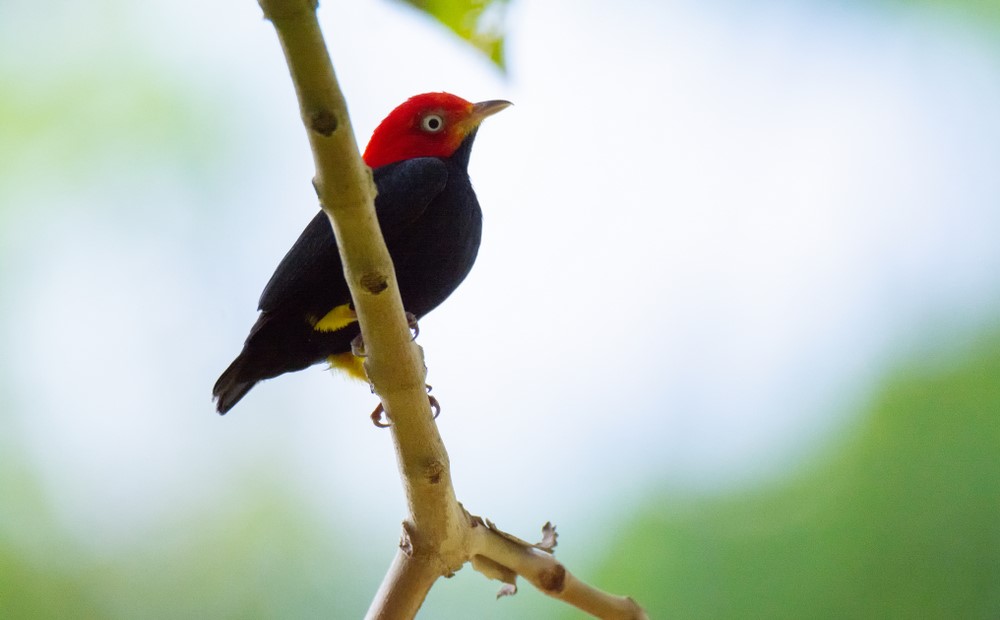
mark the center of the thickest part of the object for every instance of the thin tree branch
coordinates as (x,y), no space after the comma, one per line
(439,536)
(394,364)
(549,575)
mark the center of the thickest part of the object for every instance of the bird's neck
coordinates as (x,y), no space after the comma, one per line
(464,150)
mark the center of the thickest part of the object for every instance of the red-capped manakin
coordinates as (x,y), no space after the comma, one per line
(431,222)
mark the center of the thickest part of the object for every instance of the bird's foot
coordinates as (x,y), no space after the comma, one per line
(378,415)
(381,419)
(358,346)
(435,405)
(411,321)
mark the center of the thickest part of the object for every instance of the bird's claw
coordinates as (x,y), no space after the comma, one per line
(411,322)
(358,346)
(378,415)
(435,405)
(381,419)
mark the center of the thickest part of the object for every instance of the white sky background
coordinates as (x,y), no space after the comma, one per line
(709,229)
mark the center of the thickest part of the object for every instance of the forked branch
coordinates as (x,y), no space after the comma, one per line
(439,536)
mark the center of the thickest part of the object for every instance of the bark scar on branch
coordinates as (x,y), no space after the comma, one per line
(323,122)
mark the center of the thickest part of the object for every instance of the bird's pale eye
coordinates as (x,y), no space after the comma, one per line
(432,123)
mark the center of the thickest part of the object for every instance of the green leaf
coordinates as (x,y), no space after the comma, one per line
(480,22)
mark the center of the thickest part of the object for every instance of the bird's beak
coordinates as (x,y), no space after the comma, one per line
(486,108)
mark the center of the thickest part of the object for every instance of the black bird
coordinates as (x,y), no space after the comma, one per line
(432,224)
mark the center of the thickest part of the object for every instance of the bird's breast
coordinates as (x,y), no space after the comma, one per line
(439,251)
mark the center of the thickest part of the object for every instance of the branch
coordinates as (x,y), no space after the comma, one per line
(537,564)
(439,536)
(405,586)
(394,363)
(347,193)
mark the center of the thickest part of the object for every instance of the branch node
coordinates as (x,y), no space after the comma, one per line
(406,540)
(433,470)
(374,282)
(323,122)
(554,579)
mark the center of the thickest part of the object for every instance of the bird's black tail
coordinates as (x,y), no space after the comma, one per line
(232,386)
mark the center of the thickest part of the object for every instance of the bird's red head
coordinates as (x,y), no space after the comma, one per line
(428,125)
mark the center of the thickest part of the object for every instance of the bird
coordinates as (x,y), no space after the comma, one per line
(432,225)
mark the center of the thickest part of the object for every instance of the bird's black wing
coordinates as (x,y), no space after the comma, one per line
(308,275)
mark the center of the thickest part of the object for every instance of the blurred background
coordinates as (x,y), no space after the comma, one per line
(734,328)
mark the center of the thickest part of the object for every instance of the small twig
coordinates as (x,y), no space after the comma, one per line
(549,575)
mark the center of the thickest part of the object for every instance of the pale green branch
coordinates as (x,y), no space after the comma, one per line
(439,537)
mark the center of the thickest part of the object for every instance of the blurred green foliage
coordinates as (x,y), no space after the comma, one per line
(982,11)
(78,120)
(902,522)
(30,586)
(264,558)
(480,22)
